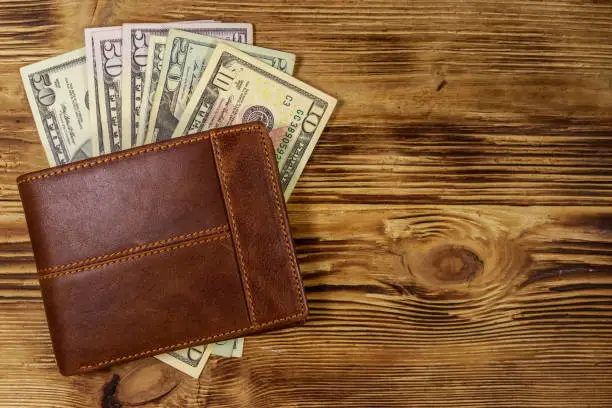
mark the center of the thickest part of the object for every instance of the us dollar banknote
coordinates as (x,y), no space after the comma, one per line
(107,47)
(238,347)
(136,42)
(229,348)
(56,89)
(181,70)
(191,360)
(99,143)
(237,88)
(157,46)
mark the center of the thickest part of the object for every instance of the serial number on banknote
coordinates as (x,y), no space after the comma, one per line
(291,130)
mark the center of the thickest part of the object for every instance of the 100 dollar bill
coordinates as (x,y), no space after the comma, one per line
(181,70)
(136,42)
(237,88)
(157,46)
(57,93)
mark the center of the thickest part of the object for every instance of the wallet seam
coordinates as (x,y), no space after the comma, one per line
(194,241)
(254,325)
(300,300)
(161,250)
(187,343)
(150,245)
(228,201)
(122,156)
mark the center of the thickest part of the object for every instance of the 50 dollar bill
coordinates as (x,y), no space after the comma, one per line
(136,43)
(57,93)
(107,48)
(100,144)
(183,65)
(157,47)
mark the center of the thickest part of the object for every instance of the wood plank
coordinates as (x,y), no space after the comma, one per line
(452,226)
(460,164)
(486,304)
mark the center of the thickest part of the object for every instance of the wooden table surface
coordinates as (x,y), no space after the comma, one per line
(453,225)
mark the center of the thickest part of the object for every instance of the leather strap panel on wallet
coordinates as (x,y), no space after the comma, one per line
(156,248)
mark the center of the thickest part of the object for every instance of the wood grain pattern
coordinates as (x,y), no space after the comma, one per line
(453,226)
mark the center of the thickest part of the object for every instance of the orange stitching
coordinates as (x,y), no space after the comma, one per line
(226,235)
(231,214)
(111,158)
(136,248)
(281,220)
(187,343)
(119,156)
(128,258)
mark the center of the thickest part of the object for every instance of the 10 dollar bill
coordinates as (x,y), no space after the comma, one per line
(237,88)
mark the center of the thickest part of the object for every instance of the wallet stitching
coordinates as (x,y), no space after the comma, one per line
(188,343)
(112,158)
(300,300)
(233,220)
(120,156)
(254,325)
(225,235)
(206,231)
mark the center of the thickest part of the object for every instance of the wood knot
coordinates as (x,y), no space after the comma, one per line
(444,267)
(146,381)
(455,255)
(453,264)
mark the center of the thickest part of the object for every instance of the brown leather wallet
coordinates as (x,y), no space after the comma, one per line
(164,246)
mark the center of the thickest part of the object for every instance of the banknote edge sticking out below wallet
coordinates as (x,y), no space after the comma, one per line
(160,247)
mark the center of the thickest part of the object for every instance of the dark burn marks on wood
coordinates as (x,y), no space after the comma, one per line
(432,223)
(566,270)
(468,260)
(601,222)
(109,399)
(361,289)
(39,19)
(28,13)
(547,163)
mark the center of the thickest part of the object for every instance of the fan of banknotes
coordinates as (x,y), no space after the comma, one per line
(142,83)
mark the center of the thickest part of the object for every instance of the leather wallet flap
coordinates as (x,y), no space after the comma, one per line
(156,248)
